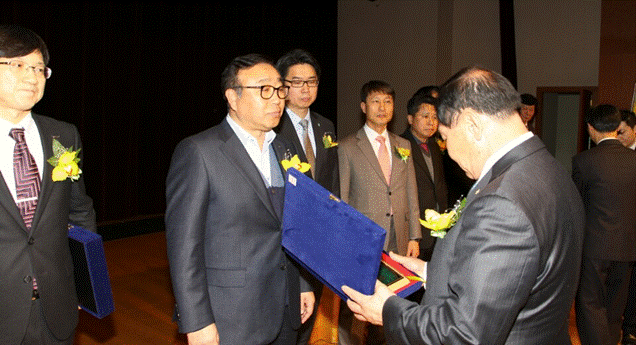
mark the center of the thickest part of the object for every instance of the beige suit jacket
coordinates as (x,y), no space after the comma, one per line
(363,186)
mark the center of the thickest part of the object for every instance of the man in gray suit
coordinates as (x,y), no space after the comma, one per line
(507,271)
(606,178)
(384,192)
(232,281)
(38,303)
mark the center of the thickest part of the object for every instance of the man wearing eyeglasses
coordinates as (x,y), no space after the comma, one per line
(38,303)
(311,134)
(232,282)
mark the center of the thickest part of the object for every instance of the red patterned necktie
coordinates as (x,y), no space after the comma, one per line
(424,147)
(27,178)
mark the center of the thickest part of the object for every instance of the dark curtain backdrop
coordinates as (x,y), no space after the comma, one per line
(136,78)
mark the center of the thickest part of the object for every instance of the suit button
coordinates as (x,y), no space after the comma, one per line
(282,267)
(388,215)
(27,279)
(31,240)
(389,193)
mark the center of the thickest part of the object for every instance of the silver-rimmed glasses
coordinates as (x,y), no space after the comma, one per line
(20,67)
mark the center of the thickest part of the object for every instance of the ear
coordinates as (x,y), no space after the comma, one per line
(409,118)
(363,106)
(231,96)
(475,124)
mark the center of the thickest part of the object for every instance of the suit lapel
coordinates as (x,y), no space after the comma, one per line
(365,146)
(236,154)
(7,202)
(319,131)
(46,136)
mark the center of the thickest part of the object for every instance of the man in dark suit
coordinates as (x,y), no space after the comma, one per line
(606,178)
(427,159)
(506,273)
(232,281)
(38,303)
(311,134)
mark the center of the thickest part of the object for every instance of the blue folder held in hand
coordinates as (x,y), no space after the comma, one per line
(332,240)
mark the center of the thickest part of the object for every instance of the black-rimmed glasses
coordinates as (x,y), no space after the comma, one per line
(20,67)
(267,91)
(301,83)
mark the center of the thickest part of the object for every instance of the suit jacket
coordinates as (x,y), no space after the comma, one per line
(363,186)
(326,166)
(43,252)
(606,178)
(430,194)
(508,270)
(224,241)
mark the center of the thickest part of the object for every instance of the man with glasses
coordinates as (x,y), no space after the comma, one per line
(38,303)
(232,281)
(310,133)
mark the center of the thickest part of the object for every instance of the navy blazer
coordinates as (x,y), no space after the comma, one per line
(508,270)
(43,251)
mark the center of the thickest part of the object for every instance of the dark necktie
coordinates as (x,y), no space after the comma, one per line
(27,179)
(424,147)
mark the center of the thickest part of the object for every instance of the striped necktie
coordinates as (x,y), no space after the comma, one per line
(309,150)
(384,159)
(27,178)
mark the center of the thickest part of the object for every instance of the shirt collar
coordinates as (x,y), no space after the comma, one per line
(371,134)
(495,157)
(27,123)
(295,118)
(244,136)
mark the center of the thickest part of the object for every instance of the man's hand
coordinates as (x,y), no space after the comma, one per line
(207,335)
(413,249)
(368,308)
(307,301)
(414,264)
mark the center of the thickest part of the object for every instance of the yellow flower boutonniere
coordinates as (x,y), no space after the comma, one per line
(439,224)
(328,142)
(65,163)
(403,153)
(295,162)
(442,144)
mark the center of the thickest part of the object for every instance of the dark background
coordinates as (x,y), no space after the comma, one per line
(136,78)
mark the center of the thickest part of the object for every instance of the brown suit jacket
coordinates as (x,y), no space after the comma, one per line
(362,185)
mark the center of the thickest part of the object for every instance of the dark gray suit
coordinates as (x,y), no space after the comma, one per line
(43,251)
(224,241)
(606,177)
(431,191)
(507,271)
(326,169)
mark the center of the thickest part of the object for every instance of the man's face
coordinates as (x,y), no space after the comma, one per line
(300,98)
(20,90)
(626,134)
(424,122)
(527,112)
(253,112)
(378,109)
(460,146)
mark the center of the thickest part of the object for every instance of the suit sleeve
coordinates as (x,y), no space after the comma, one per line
(81,212)
(187,197)
(495,244)
(415,229)
(344,167)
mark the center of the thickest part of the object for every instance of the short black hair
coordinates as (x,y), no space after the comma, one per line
(413,105)
(17,41)
(528,99)
(477,88)
(229,75)
(296,57)
(604,118)
(376,86)
(629,117)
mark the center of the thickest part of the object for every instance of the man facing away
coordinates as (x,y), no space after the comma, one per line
(38,303)
(506,273)
(606,178)
(232,282)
